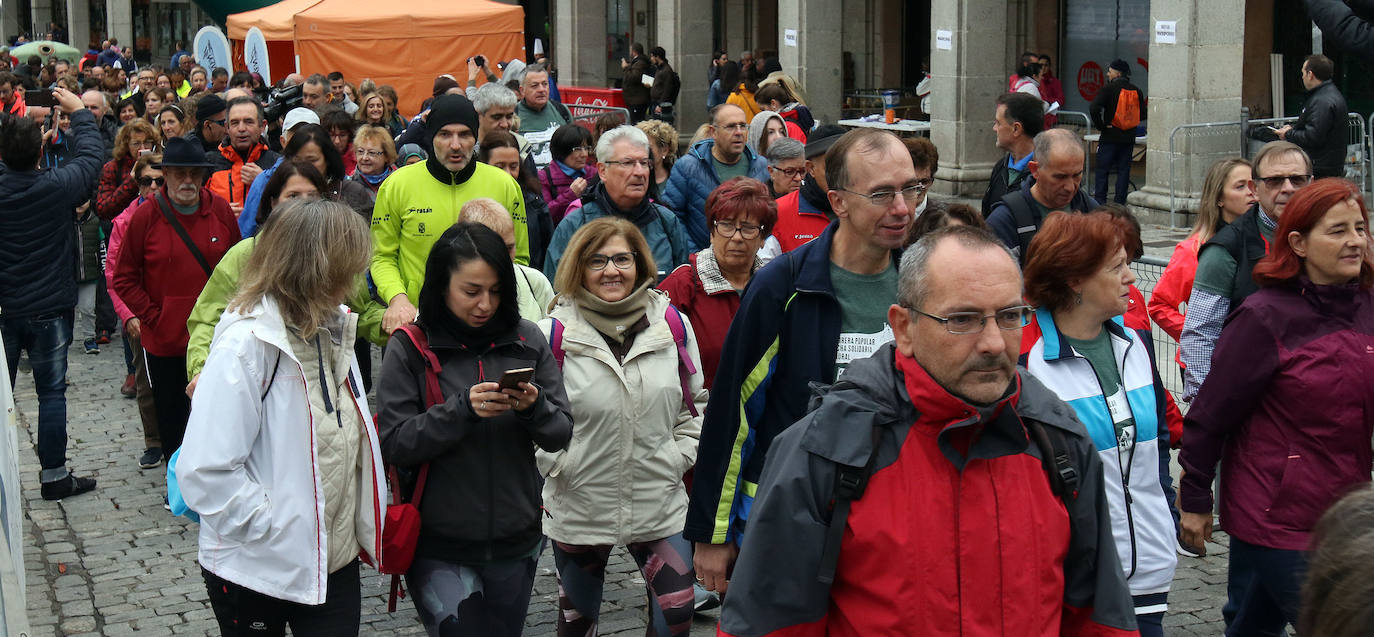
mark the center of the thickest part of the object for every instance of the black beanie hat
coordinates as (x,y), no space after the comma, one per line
(1121,66)
(451,109)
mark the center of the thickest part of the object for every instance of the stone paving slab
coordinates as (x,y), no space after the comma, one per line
(113,562)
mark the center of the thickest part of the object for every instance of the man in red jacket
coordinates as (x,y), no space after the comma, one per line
(934,490)
(172,244)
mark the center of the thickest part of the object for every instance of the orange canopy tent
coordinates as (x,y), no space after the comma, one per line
(278,26)
(406,44)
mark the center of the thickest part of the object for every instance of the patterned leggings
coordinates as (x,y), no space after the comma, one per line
(667,568)
(456,601)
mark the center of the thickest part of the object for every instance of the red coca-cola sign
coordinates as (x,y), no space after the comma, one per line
(1090,80)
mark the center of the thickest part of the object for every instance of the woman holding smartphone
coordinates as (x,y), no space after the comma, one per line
(480,509)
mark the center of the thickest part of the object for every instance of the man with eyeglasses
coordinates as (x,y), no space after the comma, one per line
(1056,172)
(934,476)
(710,163)
(805,213)
(804,317)
(1225,263)
(623,163)
(211,123)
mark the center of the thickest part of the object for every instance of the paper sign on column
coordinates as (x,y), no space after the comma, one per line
(944,40)
(1166,32)
(789,37)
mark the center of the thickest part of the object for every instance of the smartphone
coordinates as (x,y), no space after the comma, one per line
(513,377)
(39,97)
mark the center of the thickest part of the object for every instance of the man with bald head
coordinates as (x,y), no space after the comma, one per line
(1055,176)
(533,293)
(95,102)
(710,163)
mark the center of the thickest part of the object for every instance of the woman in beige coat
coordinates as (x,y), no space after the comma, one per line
(631,369)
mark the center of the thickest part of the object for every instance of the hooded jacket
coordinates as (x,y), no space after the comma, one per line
(1135,468)
(694,177)
(620,479)
(250,464)
(38,255)
(226,178)
(481,501)
(941,542)
(1290,420)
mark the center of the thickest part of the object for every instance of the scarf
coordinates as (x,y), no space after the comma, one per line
(817,197)
(477,339)
(641,215)
(375,180)
(614,319)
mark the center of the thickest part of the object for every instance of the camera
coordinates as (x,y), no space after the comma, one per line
(281,100)
(480,61)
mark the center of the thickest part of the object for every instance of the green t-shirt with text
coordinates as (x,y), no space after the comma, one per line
(863,299)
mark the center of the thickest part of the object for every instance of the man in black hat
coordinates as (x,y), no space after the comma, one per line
(173,242)
(1117,113)
(805,212)
(211,124)
(417,203)
(37,271)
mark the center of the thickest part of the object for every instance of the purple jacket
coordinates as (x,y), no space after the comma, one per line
(1287,410)
(556,191)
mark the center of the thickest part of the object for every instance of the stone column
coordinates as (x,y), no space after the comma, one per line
(9,17)
(579,43)
(684,32)
(815,60)
(79,23)
(41,16)
(1197,80)
(966,80)
(119,18)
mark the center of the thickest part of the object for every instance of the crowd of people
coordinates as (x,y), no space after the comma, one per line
(761,363)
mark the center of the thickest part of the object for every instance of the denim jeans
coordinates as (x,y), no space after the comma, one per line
(45,338)
(1113,157)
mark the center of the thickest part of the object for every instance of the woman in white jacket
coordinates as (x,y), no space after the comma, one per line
(281,458)
(635,404)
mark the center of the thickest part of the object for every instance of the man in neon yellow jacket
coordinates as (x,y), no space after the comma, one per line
(417,203)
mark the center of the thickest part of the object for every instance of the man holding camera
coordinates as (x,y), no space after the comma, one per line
(37,271)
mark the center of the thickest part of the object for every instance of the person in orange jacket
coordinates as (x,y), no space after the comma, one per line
(242,156)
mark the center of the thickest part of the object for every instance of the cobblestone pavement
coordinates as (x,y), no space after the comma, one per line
(113,562)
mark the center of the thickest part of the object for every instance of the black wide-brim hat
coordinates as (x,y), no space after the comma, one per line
(183,153)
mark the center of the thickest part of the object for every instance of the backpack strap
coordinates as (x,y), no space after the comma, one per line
(850,483)
(433,395)
(685,367)
(1024,216)
(556,341)
(1054,457)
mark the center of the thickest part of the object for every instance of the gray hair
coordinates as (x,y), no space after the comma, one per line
(624,132)
(1055,140)
(537,67)
(784,149)
(317,79)
(913,281)
(491,95)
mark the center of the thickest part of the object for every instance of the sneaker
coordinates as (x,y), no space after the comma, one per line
(703,599)
(152,457)
(91,346)
(1187,550)
(166,506)
(127,389)
(68,486)
(102,337)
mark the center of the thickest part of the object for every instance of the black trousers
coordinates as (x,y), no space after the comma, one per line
(167,375)
(241,611)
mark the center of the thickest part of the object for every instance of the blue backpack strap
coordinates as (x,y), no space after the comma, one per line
(556,340)
(685,367)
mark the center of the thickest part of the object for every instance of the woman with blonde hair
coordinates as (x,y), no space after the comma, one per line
(1226,195)
(664,139)
(282,460)
(631,369)
(372,110)
(375,155)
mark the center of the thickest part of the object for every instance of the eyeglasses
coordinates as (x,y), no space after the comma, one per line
(585,149)
(622,261)
(368,153)
(1277,181)
(148,181)
(147,143)
(885,198)
(1011,318)
(792,173)
(629,164)
(728,229)
(221,122)
(734,127)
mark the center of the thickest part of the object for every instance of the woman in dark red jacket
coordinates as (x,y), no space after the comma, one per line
(707,288)
(1286,408)
(117,187)
(159,277)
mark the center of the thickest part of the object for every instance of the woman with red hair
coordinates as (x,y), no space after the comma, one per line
(1286,408)
(1078,275)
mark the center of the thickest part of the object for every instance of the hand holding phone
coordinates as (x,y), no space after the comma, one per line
(39,97)
(513,377)
(516,384)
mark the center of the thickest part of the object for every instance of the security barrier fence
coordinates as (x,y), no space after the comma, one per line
(1147,270)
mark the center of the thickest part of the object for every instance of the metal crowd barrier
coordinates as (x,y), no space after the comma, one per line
(1147,270)
(1198,146)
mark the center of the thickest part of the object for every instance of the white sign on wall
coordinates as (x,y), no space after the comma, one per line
(944,40)
(789,37)
(1166,32)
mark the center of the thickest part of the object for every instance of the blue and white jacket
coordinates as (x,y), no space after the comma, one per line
(1138,497)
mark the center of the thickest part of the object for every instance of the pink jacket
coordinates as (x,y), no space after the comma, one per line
(121,223)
